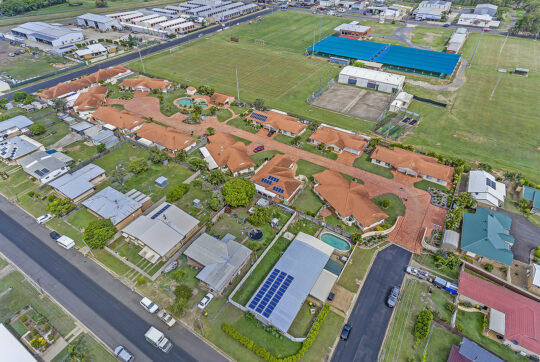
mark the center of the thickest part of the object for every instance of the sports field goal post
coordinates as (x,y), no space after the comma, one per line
(259,42)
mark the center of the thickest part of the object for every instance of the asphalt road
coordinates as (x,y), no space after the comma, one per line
(370,316)
(132,56)
(525,234)
(103,304)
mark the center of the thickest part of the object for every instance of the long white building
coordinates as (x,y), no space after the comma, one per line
(372,79)
(48,34)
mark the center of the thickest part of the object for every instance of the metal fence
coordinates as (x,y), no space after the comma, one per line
(319,91)
(40,77)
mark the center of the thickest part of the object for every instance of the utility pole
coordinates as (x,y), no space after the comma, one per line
(237,87)
(140,57)
(313,49)
(320,26)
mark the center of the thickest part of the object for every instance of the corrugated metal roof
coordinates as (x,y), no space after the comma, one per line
(96,17)
(19,122)
(77,183)
(112,204)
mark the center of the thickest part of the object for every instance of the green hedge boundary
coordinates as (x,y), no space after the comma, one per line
(264,354)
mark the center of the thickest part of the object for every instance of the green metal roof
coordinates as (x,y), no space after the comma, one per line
(487,233)
(533,195)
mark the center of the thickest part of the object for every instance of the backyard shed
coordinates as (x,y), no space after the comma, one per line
(162,181)
(450,240)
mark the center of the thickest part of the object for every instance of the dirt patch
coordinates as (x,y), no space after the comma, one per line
(470,137)
(429,37)
(343,298)
(72,149)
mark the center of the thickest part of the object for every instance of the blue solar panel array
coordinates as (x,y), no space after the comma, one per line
(271,292)
(160,211)
(491,184)
(259,117)
(278,189)
(266,181)
(272,178)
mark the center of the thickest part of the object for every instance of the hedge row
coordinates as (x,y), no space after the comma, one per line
(264,354)
(423,324)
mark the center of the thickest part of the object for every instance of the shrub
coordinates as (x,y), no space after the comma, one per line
(385,203)
(183,291)
(100,148)
(537,253)
(214,204)
(177,308)
(238,192)
(459,328)
(37,129)
(24,318)
(138,165)
(177,192)
(423,324)
(178,275)
(451,307)
(488,267)
(141,281)
(98,233)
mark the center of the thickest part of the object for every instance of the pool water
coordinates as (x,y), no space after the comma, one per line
(186,102)
(335,241)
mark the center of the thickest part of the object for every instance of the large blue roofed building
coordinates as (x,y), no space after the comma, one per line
(395,57)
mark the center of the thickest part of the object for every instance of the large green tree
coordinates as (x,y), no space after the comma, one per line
(98,233)
(238,192)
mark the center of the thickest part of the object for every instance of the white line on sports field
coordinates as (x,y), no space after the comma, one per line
(502,46)
(494,88)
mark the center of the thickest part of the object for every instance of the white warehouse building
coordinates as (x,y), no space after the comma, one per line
(48,34)
(372,79)
(99,22)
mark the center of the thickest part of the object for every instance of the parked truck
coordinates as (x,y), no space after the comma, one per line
(156,338)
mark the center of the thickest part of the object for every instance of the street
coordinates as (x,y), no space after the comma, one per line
(103,304)
(371,316)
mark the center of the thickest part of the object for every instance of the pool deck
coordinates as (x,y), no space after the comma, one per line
(193,98)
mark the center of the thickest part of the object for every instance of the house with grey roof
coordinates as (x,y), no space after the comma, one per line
(14,125)
(485,189)
(97,135)
(120,208)
(80,127)
(220,260)
(161,232)
(45,166)
(80,184)
(483,9)
(15,148)
(470,351)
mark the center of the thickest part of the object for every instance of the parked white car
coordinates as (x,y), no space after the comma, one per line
(150,306)
(123,354)
(204,302)
(44,218)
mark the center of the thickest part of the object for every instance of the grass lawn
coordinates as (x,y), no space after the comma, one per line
(34,207)
(472,325)
(121,156)
(81,218)
(429,261)
(328,154)
(243,140)
(240,123)
(307,168)
(334,221)
(400,339)
(237,110)
(365,164)
(396,208)
(304,226)
(111,261)
(223,115)
(25,66)
(424,184)
(293,75)
(63,228)
(260,157)
(19,328)
(54,133)
(325,339)
(130,252)
(95,352)
(307,201)
(186,203)
(436,38)
(80,151)
(251,284)
(227,224)
(357,267)
(302,323)
(23,294)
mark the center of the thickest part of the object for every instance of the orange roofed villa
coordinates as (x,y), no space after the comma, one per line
(276,179)
(112,118)
(338,139)
(146,84)
(170,139)
(348,199)
(413,164)
(226,153)
(278,121)
(221,99)
(87,102)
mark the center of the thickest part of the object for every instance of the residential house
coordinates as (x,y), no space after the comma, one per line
(486,233)
(120,208)
(45,166)
(486,189)
(413,164)
(144,84)
(276,179)
(228,154)
(533,196)
(87,102)
(168,138)
(432,10)
(349,200)
(513,315)
(14,126)
(15,148)
(113,118)
(353,30)
(469,351)
(221,99)
(79,184)
(401,102)
(190,91)
(91,51)
(478,20)
(160,233)
(80,127)
(98,135)
(279,122)
(220,261)
(488,9)
(338,139)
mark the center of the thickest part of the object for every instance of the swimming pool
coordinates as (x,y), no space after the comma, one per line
(186,102)
(335,241)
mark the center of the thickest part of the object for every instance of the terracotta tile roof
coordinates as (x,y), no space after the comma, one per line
(190,88)
(278,121)
(280,168)
(225,150)
(522,314)
(67,87)
(220,98)
(330,136)
(119,118)
(91,99)
(150,83)
(167,137)
(455,356)
(417,162)
(348,198)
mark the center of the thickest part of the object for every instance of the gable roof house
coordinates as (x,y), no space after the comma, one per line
(486,233)
(228,154)
(339,140)
(145,84)
(414,164)
(276,179)
(113,118)
(533,195)
(278,121)
(221,99)
(78,184)
(14,126)
(486,189)
(161,232)
(87,102)
(349,200)
(512,315)
(220,260)
(120,208)
(15,148)
(45,166)
(99,135)
(469,351)
(164,137)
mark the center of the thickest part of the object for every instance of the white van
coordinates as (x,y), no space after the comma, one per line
(65,242)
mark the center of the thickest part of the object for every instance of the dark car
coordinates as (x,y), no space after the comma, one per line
(446,26)
(271,133)
(393,297)
(54,235)
(258,149)
(345,332)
